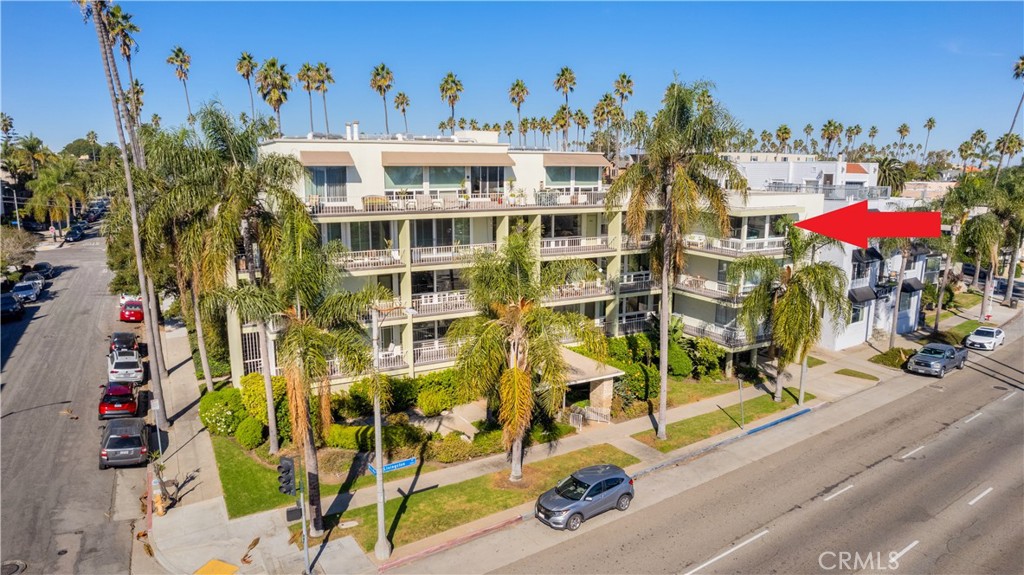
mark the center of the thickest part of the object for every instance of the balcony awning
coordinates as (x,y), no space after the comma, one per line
(445,159)
(867,256)
(920,250)
(862,295)
(326,159)
(567,160)
(912,285)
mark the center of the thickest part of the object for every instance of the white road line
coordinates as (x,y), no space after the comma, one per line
(847,488)
(973,417)
(710,561)
(978,498)
(1009,395)
(906,455)
(905,549)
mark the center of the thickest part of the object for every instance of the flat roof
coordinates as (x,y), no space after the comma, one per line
(582,369)
(570,159)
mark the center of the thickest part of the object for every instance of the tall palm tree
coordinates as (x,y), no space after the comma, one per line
(1006,202)
(135,97)
(623,89)
(680,170)
(929,125)
(246,67)
(857,131)
(563,120)
(788,300)
(35,150)
(956,206)
(509,128)
(891,173)
(783,134)
(324,78)
(380,82)
(6,127)
(830,132)
(544,125)
(120,27)
(808,130)
(984,234)
(517,94)
(1009,145)
(966,152)
(307,77)
(451,91)
(565,82)
(872,132)
(59,185)
(92,138)
(402,105)
(511,350)
(582,121)
(903,130)
(274,82)
(181,61)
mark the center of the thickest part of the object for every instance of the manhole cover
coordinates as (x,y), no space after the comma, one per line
(12,568)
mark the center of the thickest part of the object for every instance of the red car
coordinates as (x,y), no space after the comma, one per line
(118,400)
(131,311)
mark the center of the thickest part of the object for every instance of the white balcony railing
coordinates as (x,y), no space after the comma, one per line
(573,245)
(733,246)
(580,289)
(636,281)
(370,259)
(433,303)
(641,243)
(391,359)
(634,322)
(711,288)
(724,335)
(447,254)
(433,351)
(860,282)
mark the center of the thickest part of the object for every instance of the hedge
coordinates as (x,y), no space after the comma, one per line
(222,411)
(250,433)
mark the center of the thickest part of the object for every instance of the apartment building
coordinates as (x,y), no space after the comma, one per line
(413,211)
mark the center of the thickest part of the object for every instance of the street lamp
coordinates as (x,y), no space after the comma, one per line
(383,547)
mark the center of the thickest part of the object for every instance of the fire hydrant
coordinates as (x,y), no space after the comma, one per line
(159,499)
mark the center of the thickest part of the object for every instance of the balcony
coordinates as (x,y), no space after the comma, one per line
(711,288)
(636,282)
(579,290)
(726,336)
(573,245)
(370,259)
(734,246)
(831,192)
(427,200)
(642,243)
(860,282)
(435,303)
(434,351)
(571,196)
(449,254)
(391,359)
(634,322)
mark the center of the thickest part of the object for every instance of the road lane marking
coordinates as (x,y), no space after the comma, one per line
(847,488)
(973,417)
(710,561)
(902,553)
(978,498)
(1009,395)
(906,455)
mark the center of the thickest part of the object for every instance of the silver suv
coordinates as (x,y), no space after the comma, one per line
(584,494)
(124,442)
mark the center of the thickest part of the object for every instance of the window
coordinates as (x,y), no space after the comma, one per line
(774,223)
(370,235)
(755,227)
(328,183)
(331,232)
(485,179)
(735,227)
(908,263)
(860,270)
(430,330)
(446,232)
(397,177)
(725,316)
(860,312)
(905,300)
(558,177)
(588,176)
(447,177)
(560,226)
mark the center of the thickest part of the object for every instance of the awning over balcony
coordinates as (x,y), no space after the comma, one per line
(445,159)
(912,285)
(867,256)
(568,160)
(582,369)
(326,159)
(862,295)
(920,250)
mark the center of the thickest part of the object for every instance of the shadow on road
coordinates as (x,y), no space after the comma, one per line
(13,330)
(35,407)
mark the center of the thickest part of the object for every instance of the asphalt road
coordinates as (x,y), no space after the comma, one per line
(930,483)
(60,513)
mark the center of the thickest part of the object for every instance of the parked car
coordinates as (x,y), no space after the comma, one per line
(126,370)
(75,235)
(92,216)
(44,269)
(26,291)
(132,311)
(584,494)
(125,298)
(124,340)
(36,278)
(986,338)
(11,307)
(937,358)
(123,355)
(124,442)
(33,226)
(118,400)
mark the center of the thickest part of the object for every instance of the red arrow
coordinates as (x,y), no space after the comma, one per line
(854,224)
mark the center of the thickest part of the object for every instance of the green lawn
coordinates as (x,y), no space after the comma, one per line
(814,362)
(432,511)
(857,374)
(694,429)
(681,392)
(961,301)
(963,329)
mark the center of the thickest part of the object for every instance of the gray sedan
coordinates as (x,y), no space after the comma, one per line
(584,494)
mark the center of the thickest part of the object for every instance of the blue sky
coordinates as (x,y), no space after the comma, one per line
(859,63)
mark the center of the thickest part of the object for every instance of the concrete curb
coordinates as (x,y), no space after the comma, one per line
(452,543)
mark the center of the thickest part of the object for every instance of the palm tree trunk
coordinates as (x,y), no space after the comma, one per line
(327,123)
(316,517)
(990,286)
(188,104)
(310,111)
(1011,271)
(943,280)
(201,338)
(387,129)
(405,119)
(252,101)
(278,112)
(803,373)
(126,114)
(517,460)
(665,312)
(158,345)
(977,272)
(995,179)
(268,387)
(896,306)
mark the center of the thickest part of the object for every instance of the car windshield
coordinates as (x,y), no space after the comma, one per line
(572,488)
(116,398)
(124,442)
(133,307)
(126,365)
(985,332)
(933,351)
(24,288)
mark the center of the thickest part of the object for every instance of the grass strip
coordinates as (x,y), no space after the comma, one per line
(857,374)
(814,362)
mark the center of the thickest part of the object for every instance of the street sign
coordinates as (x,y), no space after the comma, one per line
(396,465)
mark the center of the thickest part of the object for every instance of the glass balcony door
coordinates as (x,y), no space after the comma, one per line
(486,179)
(441,232)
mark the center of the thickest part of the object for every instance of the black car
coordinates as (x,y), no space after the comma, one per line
(11,307)
(124,340)
(44,269)
(75,235)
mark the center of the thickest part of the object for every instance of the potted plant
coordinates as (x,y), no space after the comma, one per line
(394,251)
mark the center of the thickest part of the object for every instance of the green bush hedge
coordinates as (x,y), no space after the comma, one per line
(254,395)
(250,433)
(894,358)
(222,411)
(679,363)
(433,401)
(360,437)
(706,356)
(453,448)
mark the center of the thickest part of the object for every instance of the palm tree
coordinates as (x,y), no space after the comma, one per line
(544,125)
(274,82)
(966,152)
(929,125)
(307,76)
(380,82)
(782,134)
(830,132)
(524,128)
(787,301)
(511,351)
(120,27)
(956,207)
(35,150)
(582,121)
(985,153)
(6,127)
(1006,202)
(462,123)
(517,94)
(857,131)
(984,236)
(565,82)
(59,184)
(473,125)
(872,132)
(181,61)
(402,105)
(451,91)
(246,66)
(324,78)
(562,120)
(891,173)
(623,89)
(92,139)
(155,120)
(682,148)
(509,128)
(135,95)
(808,131)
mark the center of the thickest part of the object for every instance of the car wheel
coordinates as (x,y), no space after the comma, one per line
(623,503)
(942,372)
(103,466)
(961,365)
(574,522)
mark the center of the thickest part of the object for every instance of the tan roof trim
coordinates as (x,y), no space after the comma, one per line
(445,159)
(565,160)
(326,159)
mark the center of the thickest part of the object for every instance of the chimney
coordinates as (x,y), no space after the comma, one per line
(355,130)
(348,131)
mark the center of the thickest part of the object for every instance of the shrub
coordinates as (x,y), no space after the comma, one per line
(433,401)
(706,356)
(944,337)
(487,442)
(453,448)
(250,433)
(254,396)
(678,360)
(894,358)
(354,437)
(222,411)
(639,383)
(404,392)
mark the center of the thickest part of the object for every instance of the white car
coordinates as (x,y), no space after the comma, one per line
(122,355)
(986,338)
(125,368)
(125,298)
(26,291)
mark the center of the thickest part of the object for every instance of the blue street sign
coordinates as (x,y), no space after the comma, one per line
(396,465)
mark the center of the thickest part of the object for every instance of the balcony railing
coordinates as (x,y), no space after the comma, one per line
(433,351)
(726,336)
(636,281)
(566,196)
(370,259)
(579,290)
(860,282)
(434,303)
(573,245)
(831,192)
(642,243)
(634,322)
(711,288)
(392,359)
(457,199)
(734,246)
(448,254)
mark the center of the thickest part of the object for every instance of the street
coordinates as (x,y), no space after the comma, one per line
(930,483)
(61,514)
